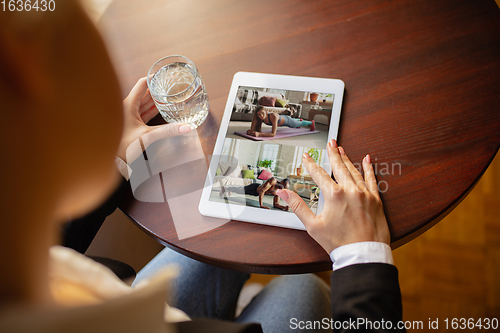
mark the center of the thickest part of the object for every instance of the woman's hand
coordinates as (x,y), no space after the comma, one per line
(353,211)
(139,109)
(253,133)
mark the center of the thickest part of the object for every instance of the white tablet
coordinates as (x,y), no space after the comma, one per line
(269,122)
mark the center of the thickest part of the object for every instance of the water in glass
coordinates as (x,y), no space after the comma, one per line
(179,94)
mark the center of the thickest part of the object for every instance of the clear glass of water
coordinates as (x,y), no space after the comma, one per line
(178,91)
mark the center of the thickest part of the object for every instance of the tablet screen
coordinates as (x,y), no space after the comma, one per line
(269,131)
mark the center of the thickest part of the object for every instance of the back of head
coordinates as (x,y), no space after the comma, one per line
(61,107)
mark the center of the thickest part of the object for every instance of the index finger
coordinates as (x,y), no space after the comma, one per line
(319,175)
(158,132)
(340,170)
(371,181)
(138,91)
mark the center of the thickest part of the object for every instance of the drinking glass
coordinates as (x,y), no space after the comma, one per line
(178,91)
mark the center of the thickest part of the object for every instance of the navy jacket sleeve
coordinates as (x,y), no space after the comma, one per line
(368,295)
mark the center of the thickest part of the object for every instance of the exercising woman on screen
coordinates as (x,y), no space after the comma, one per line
(275,120)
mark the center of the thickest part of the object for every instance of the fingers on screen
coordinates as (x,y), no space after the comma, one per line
(318,174)
(299,207)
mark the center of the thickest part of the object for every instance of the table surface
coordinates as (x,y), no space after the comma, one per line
(422,98)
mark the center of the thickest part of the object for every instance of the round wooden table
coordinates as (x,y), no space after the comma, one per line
(422,98)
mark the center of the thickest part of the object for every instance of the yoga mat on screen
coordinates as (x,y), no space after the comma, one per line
(282,132)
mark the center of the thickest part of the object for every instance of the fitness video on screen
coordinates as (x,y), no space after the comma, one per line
(269,131)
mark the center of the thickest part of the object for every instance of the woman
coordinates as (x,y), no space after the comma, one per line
(275,120)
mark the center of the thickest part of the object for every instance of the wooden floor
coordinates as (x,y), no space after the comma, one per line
(453,270)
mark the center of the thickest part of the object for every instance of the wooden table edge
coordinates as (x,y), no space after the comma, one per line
(412,234)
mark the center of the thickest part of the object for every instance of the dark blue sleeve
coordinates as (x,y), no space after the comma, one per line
(368,295)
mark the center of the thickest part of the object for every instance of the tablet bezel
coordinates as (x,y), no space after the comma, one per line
(273,81)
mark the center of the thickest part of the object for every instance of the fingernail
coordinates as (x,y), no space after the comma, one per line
(333,143)
(283,194)
(368,159)
(184,129)
(341,151)
(306,155)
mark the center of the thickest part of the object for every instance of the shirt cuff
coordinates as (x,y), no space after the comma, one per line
(123,168)
(361,253)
